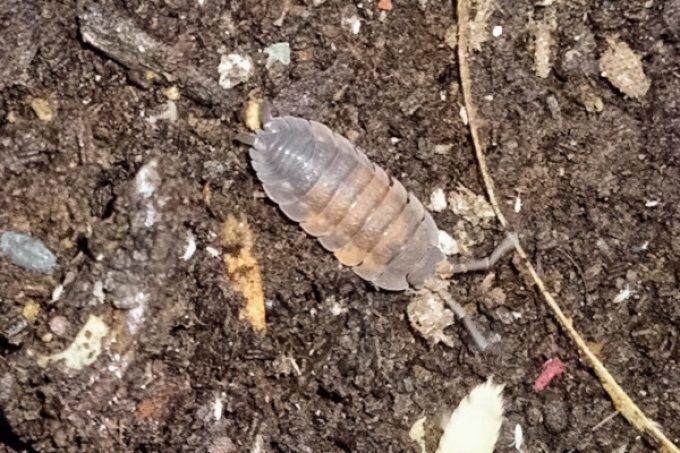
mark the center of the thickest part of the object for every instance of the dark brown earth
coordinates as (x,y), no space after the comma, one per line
(364,375)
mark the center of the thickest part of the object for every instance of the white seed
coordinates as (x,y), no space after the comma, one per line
(438,200)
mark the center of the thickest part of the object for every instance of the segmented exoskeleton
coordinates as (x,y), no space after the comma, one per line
(367,218)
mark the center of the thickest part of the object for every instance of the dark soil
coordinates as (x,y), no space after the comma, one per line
(364,375)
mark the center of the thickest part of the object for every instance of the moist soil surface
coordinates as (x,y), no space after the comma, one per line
(339,367)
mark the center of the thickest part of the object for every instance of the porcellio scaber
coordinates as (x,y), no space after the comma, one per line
(367,218)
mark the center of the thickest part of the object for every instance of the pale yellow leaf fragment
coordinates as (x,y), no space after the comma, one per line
(244,271)
(252,115)
(42,109)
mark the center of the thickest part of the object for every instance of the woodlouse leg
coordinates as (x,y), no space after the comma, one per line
(477,336)
(483,264)
(246,138)
(266,113)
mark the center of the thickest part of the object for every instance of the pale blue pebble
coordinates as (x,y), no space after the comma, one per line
(27,252)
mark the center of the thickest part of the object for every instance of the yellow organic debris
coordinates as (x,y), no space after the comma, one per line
(42,109)
(150,76)
(31,310)
(252,115)
(244,271)
(172,93)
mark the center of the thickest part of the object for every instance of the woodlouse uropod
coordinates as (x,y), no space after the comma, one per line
(367,218)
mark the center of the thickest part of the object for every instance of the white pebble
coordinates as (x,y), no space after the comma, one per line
(234,69)
(447,244)
(652,203)
(497,31)
(212,251)
(190,247)
(438,200)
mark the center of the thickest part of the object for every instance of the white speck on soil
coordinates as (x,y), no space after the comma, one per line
(212,251)
(190,248)
(623,295)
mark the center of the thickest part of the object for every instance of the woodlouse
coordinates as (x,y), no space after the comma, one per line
(367,218)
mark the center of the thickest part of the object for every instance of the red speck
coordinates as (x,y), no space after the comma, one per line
(551,369)
(385,5)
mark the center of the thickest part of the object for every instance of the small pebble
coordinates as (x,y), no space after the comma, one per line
(59,325)
(438,200)
(497,31)
(278,53)
(234,69)
(27,252)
